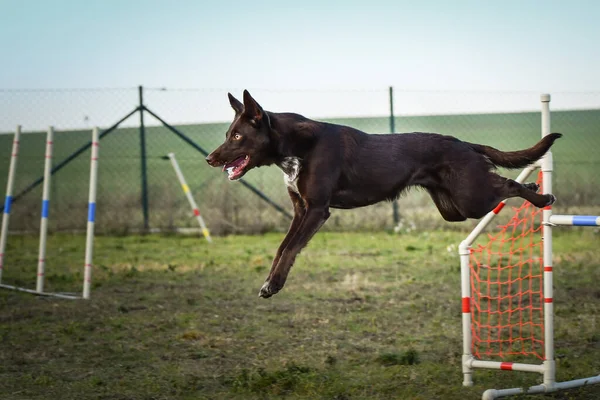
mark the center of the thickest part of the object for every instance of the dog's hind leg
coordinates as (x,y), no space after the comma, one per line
(445,205)
(510,188)
(532,186)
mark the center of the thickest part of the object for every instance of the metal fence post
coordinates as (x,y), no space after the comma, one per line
(143,159)
(393,130)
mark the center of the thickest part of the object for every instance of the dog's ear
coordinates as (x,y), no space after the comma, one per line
(252,109)
(237,105)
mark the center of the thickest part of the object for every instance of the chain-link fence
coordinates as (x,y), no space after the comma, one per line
(131,200)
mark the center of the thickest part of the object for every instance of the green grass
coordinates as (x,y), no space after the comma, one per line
(229,207)
(363,316)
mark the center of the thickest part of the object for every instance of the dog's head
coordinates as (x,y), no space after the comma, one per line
(248,141)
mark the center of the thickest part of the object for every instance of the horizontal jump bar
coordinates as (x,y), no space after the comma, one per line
(575,220)
(508,366)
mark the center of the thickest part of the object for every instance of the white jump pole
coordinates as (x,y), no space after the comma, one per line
(45,211)
(189,196)
(89,243)
(12,170)
(547,167)
(575,220)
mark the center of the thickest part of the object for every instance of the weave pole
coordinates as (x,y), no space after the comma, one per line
(12,170)
(39,290)
(188,194)
(45,210)
(89,242)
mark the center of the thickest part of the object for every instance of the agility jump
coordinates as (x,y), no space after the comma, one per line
(507,299)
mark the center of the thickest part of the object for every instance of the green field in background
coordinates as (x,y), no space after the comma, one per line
(576,158)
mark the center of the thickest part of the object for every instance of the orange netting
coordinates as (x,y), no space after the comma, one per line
(507,288)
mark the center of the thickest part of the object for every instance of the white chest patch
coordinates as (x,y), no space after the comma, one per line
(291,171)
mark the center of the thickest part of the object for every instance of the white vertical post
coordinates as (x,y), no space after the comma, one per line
(45,210)
(189,196)
(464,250)
(12,170)
(89,242)
(547,167)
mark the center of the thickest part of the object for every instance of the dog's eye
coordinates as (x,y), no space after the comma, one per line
(237,136)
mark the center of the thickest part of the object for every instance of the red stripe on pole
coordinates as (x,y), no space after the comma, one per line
(548,208)
(547,299)
(498,208)
(40,274)
(48,142)
(507,366)
(547,269)
(466,304)
(196,212)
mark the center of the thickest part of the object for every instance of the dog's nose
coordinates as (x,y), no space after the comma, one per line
(210,159)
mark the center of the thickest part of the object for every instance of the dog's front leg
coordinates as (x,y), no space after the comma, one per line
(314,218)
(299,212)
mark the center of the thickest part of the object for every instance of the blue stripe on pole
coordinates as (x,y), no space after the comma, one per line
(45,208)
(585,220)
(7,204)
(92,212)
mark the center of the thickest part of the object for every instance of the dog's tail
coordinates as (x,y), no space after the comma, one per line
(517,159)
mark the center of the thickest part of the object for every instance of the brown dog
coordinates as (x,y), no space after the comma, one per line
(327,165)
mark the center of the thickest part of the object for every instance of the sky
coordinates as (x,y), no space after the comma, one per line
(526,46)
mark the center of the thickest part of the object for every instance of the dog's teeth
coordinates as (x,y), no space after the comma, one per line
(230,170)
(246,158)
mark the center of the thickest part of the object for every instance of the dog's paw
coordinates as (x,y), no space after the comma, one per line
(551,200)
(268,289)
(531,186)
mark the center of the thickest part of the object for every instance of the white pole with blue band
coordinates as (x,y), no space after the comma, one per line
(575,220)
(45,210)
(12,170)
(89,243)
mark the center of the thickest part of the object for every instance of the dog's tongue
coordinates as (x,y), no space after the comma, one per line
(235,163)
(235,169)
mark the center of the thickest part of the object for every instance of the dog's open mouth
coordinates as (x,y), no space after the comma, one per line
(235,168)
